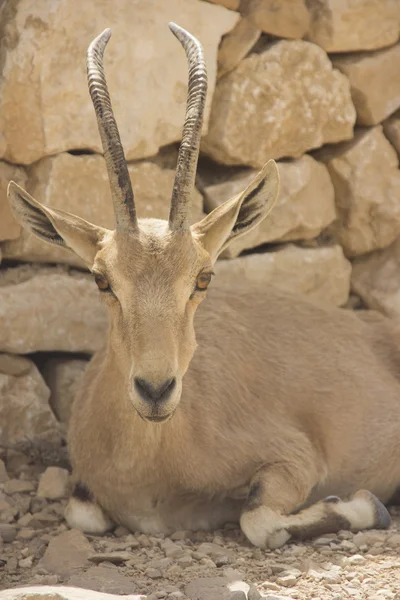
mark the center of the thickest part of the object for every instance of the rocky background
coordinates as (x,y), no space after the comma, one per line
(313,84)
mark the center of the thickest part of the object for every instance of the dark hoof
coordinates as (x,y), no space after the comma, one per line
(332,499)
(382,518)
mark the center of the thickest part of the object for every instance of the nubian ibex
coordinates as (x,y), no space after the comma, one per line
(283,404)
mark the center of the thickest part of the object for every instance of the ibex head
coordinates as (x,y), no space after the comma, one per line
(152,274)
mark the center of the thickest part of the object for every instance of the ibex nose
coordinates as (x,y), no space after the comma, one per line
(152,393)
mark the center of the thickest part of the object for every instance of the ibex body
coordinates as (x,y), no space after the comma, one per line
(283,402)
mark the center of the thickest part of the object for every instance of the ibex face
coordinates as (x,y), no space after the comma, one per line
(152,274)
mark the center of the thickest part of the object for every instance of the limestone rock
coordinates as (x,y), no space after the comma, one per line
(63,377)
(322,274)
(231,4)
(391,128)
(24,408)
(53,483)
(66,553)
(104,578)
(366,179)
(9,228)
(50,309)
(348,26)
(216,588)
(87,194)
(282,18)
(43,113)
(375,279)
(278,103)
(306,204)
(374,81)
(236,44)
(49,592)
(3,472)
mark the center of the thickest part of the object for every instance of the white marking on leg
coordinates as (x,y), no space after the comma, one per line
(87,517)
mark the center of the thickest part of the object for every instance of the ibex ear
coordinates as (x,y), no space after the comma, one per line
(239,215)
(55,226)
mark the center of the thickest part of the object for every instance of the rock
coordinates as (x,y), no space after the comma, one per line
(350,26)
(236,45)
(69,315)
(63,377)
(61,592)
(366,179)
(375,278)
(87,194)
(282,18)
(103,578)
(53,483)
(391,128)
(214,588)
(18,486)
(116,558)
(215,552)
(45,45)
(3,472)
(9,228)
(375,86)
(66,553)
(322,274)
(8,533)
(305,207)
(24,409)
(278,103)
(153,573)
(231,4)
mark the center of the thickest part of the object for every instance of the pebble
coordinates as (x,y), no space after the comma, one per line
(116,558)
(3,472)
(53,483)
(356,559)
(26,563)
(153,573)
(8,533)
(14,486)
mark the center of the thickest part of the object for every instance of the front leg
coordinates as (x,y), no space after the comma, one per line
(277,491)
(82,512)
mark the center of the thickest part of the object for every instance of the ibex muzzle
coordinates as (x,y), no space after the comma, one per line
(283,403)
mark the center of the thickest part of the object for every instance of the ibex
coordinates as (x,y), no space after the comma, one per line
(283,404)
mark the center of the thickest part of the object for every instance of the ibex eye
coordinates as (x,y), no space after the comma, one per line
(203,280)
(102,283)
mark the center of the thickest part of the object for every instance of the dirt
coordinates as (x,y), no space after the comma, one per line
(36,547)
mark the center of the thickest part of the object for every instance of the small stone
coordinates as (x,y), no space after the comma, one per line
(348,546)
(53,483)
(356,559)
(322,541)
(26,563)
(122,532)
(289,578)
(103,578)
(153,573)
(116,558)
(66,552)
(180,535)
(26,534)
(187,560)
(3,472)
(8,533)
(18,486)
(171,549)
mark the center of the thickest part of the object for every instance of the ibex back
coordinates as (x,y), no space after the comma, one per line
(283,402)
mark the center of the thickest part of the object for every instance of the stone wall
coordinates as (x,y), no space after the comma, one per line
(311,83)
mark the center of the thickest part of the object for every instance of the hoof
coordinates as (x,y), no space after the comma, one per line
(382,518)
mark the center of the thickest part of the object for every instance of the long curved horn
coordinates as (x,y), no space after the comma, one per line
(120,183)
(179,217)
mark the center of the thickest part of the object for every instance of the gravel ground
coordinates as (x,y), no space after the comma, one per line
(36,547)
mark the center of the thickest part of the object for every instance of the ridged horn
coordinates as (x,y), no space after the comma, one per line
(179,216)
(120,183)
